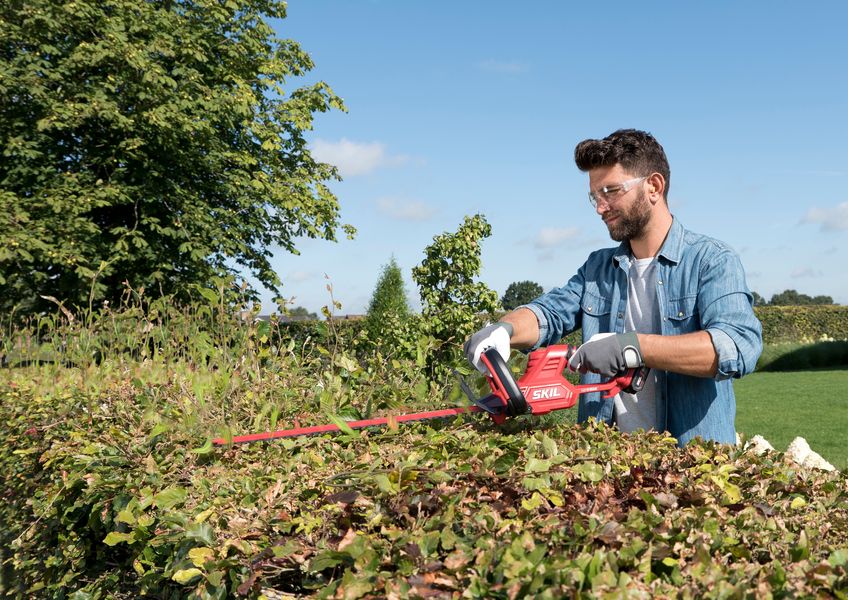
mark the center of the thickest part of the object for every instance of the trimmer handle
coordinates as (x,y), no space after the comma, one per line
(543,387)
(503,383)
(637,380)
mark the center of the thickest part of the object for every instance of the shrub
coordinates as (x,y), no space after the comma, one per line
(109,491)
(452,301)
(803,323)
(792,356)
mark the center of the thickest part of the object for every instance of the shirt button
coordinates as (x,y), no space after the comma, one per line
(680,314)
(620,315)
(588,309)
(660,282)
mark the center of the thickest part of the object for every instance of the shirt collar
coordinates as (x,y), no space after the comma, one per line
(672,248)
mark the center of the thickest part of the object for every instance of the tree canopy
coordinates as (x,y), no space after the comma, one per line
(452,301)
(388,308)
(794,298)
(152,142)
(520,292)
(791,298)
(389,295)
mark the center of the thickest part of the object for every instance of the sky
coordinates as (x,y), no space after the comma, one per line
(462,107)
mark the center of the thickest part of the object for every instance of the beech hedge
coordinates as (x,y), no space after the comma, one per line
(780,324)
(111,489)
(803,323)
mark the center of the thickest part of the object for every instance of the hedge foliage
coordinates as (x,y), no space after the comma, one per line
(110,490)
(781,324)
(803,323)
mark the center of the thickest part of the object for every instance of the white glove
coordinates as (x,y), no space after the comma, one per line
(494,336)
(609,354)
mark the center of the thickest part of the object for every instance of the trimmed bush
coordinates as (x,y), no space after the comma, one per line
(110,491)
(803,323)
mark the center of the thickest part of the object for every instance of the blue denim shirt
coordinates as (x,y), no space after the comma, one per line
(700,286)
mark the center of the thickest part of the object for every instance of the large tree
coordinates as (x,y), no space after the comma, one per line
(520,292)
(153,142)
(794,298)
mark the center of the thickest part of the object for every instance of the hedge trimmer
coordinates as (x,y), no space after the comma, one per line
(542,389)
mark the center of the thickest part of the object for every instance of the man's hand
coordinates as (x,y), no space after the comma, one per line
(609,354)
(492,336)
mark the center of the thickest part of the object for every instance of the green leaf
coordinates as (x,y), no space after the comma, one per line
(126,516)
(535,465)
(343,426)
(533,502)
(170,497)
(839,558)
(589,471)
(200,556)
(211,296)
(158,429)
(115,537)
(185,576)
(385,484)
(201,532)
(327,560)
(205,449)
(798,502)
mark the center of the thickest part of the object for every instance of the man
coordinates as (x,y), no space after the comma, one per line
(665,298)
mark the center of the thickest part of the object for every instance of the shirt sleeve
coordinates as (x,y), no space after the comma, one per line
(727,314)
(558,311)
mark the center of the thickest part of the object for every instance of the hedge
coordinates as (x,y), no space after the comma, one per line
(800,324)
(803,323)
(109,492)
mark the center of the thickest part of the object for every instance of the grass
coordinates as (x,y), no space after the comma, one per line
(783,405)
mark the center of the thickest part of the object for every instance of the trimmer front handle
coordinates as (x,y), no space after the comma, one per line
(543,388)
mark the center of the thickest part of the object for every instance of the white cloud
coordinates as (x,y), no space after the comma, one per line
(403,209)
(355,158)
(805,273)
(830,219)
(502,66)
(301,276)
(551,237)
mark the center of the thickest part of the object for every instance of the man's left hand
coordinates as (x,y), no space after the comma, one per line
(609,354)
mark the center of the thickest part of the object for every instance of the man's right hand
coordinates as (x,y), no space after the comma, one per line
(494,336)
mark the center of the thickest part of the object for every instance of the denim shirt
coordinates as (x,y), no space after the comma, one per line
(700,286)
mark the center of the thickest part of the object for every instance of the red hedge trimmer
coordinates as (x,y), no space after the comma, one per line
(542,389)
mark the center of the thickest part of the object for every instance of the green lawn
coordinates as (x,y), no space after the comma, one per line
(810,404)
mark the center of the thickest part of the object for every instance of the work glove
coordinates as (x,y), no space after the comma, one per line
(495,336)
(609,354)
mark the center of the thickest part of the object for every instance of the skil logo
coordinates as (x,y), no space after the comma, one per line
(546,393)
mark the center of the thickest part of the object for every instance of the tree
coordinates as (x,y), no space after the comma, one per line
(793,298)
(758,300)
(389,297)
(299,313)
(520,292)
(152,142)
(452,301)
(388,309)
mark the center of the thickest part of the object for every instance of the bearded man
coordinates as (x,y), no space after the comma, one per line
(666,298)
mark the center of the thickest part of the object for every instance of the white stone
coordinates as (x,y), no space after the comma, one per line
(800,453)
(759,445)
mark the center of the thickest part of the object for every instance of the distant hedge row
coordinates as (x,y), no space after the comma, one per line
(803,323)
(799,324)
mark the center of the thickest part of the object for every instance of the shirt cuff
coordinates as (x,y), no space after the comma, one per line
(543,325)
(728,354)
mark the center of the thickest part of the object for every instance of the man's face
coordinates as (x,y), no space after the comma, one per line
(625,213)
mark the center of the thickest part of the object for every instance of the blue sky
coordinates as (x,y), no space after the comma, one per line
(464,107)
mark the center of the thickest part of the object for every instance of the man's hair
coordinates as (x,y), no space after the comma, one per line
(638,152)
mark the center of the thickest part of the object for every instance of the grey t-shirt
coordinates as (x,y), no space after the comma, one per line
(639,411)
